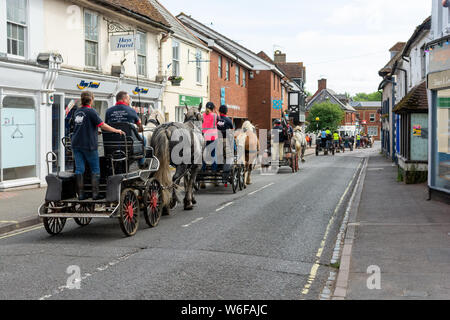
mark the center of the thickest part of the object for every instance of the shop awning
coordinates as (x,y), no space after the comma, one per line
(415,100)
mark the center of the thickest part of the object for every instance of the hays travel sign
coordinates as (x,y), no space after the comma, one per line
(124,42)
(91,85)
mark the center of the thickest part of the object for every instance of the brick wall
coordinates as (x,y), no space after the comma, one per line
(364,114)
(235,95)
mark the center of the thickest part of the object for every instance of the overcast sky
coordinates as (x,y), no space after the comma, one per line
(345,41)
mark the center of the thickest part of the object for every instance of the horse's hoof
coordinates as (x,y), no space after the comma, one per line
(194,201)
(189,208)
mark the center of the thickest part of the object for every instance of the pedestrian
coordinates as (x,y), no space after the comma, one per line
(85,144)
(278,138)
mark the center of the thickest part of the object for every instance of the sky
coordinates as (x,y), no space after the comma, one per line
(344,41)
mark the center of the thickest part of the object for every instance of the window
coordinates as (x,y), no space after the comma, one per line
(18,131)
(220,67)
(198,58)
(372,131)
(16,26)
(440,173)
(274,81)
(142,53)
(238,75)
(179,114)
(244,78)
(227,70)
(91,39)
(175,58)
(372,117)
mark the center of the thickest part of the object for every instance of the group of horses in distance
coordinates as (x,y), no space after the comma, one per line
(186,140)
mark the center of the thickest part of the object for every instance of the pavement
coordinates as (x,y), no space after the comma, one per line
(273,240)
(397,244)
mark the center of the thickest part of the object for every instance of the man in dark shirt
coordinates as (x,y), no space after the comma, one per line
(223,125)
(122,112)
(278,146)
(85,143)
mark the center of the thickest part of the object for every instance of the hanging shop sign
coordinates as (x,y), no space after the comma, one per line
(277,104)
(440,58)
(190,101)
(439,80)
(124,42)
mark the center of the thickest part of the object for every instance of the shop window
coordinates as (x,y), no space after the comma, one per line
(142,54)
(91,39)
(442,149)
(175,58)
(18,138)
(16,18)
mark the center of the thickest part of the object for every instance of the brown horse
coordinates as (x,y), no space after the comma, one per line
(247,141)
(180,145)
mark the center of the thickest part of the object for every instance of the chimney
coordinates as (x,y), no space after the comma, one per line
(322,84)
(279,57)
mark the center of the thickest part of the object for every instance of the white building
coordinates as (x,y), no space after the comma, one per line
(439,100)
(185,56)
(54,49)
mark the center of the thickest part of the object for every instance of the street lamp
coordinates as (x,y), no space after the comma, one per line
(317,119)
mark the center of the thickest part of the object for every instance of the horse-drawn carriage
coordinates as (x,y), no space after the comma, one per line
(127,190)
(326,145)
(290,157)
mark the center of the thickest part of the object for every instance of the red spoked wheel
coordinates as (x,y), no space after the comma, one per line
(129,212)
(153,203)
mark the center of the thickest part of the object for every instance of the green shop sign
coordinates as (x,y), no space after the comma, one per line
(444,102)
(190,101)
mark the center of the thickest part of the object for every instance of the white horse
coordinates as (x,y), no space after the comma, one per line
(154,120)
(248,142)
(299,142)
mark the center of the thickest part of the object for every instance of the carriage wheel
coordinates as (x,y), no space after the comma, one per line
(53,226)
(82,222)
(152,203)
(129,212)
(332,151)
(241,178)
(234,179)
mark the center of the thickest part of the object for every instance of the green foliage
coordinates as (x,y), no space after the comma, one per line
(375,96)
(330,115)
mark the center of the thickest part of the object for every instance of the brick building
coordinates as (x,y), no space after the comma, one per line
(369,117)
(324,94)
(255,89)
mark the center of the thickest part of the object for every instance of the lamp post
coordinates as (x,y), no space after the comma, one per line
(317,120)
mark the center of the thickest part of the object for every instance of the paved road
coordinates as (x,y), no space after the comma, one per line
(260,243)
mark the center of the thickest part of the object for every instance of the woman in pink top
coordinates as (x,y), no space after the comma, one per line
(210,132)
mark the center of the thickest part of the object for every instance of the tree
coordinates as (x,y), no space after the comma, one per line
(330,115)
(375,96)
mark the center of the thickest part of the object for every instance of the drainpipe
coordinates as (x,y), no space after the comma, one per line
(160,77)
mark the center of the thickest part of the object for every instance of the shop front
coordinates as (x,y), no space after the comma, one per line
(68,88)
(439,86)
(23,120)
(180,101)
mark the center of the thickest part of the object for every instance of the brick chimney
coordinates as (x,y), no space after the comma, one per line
(322,84)
(279,57)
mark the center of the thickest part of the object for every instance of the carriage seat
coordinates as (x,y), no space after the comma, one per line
(133,146)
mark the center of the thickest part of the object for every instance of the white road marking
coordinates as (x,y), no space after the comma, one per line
(315,267)
(5,221)
(87,275)
(223,207)
(191,223)
(260,189)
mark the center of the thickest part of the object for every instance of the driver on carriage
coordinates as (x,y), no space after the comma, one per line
(279,138)
(122,112)
(85,144)
(210,132)
(224,124)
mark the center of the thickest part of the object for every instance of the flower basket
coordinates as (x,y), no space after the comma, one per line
(176,81)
